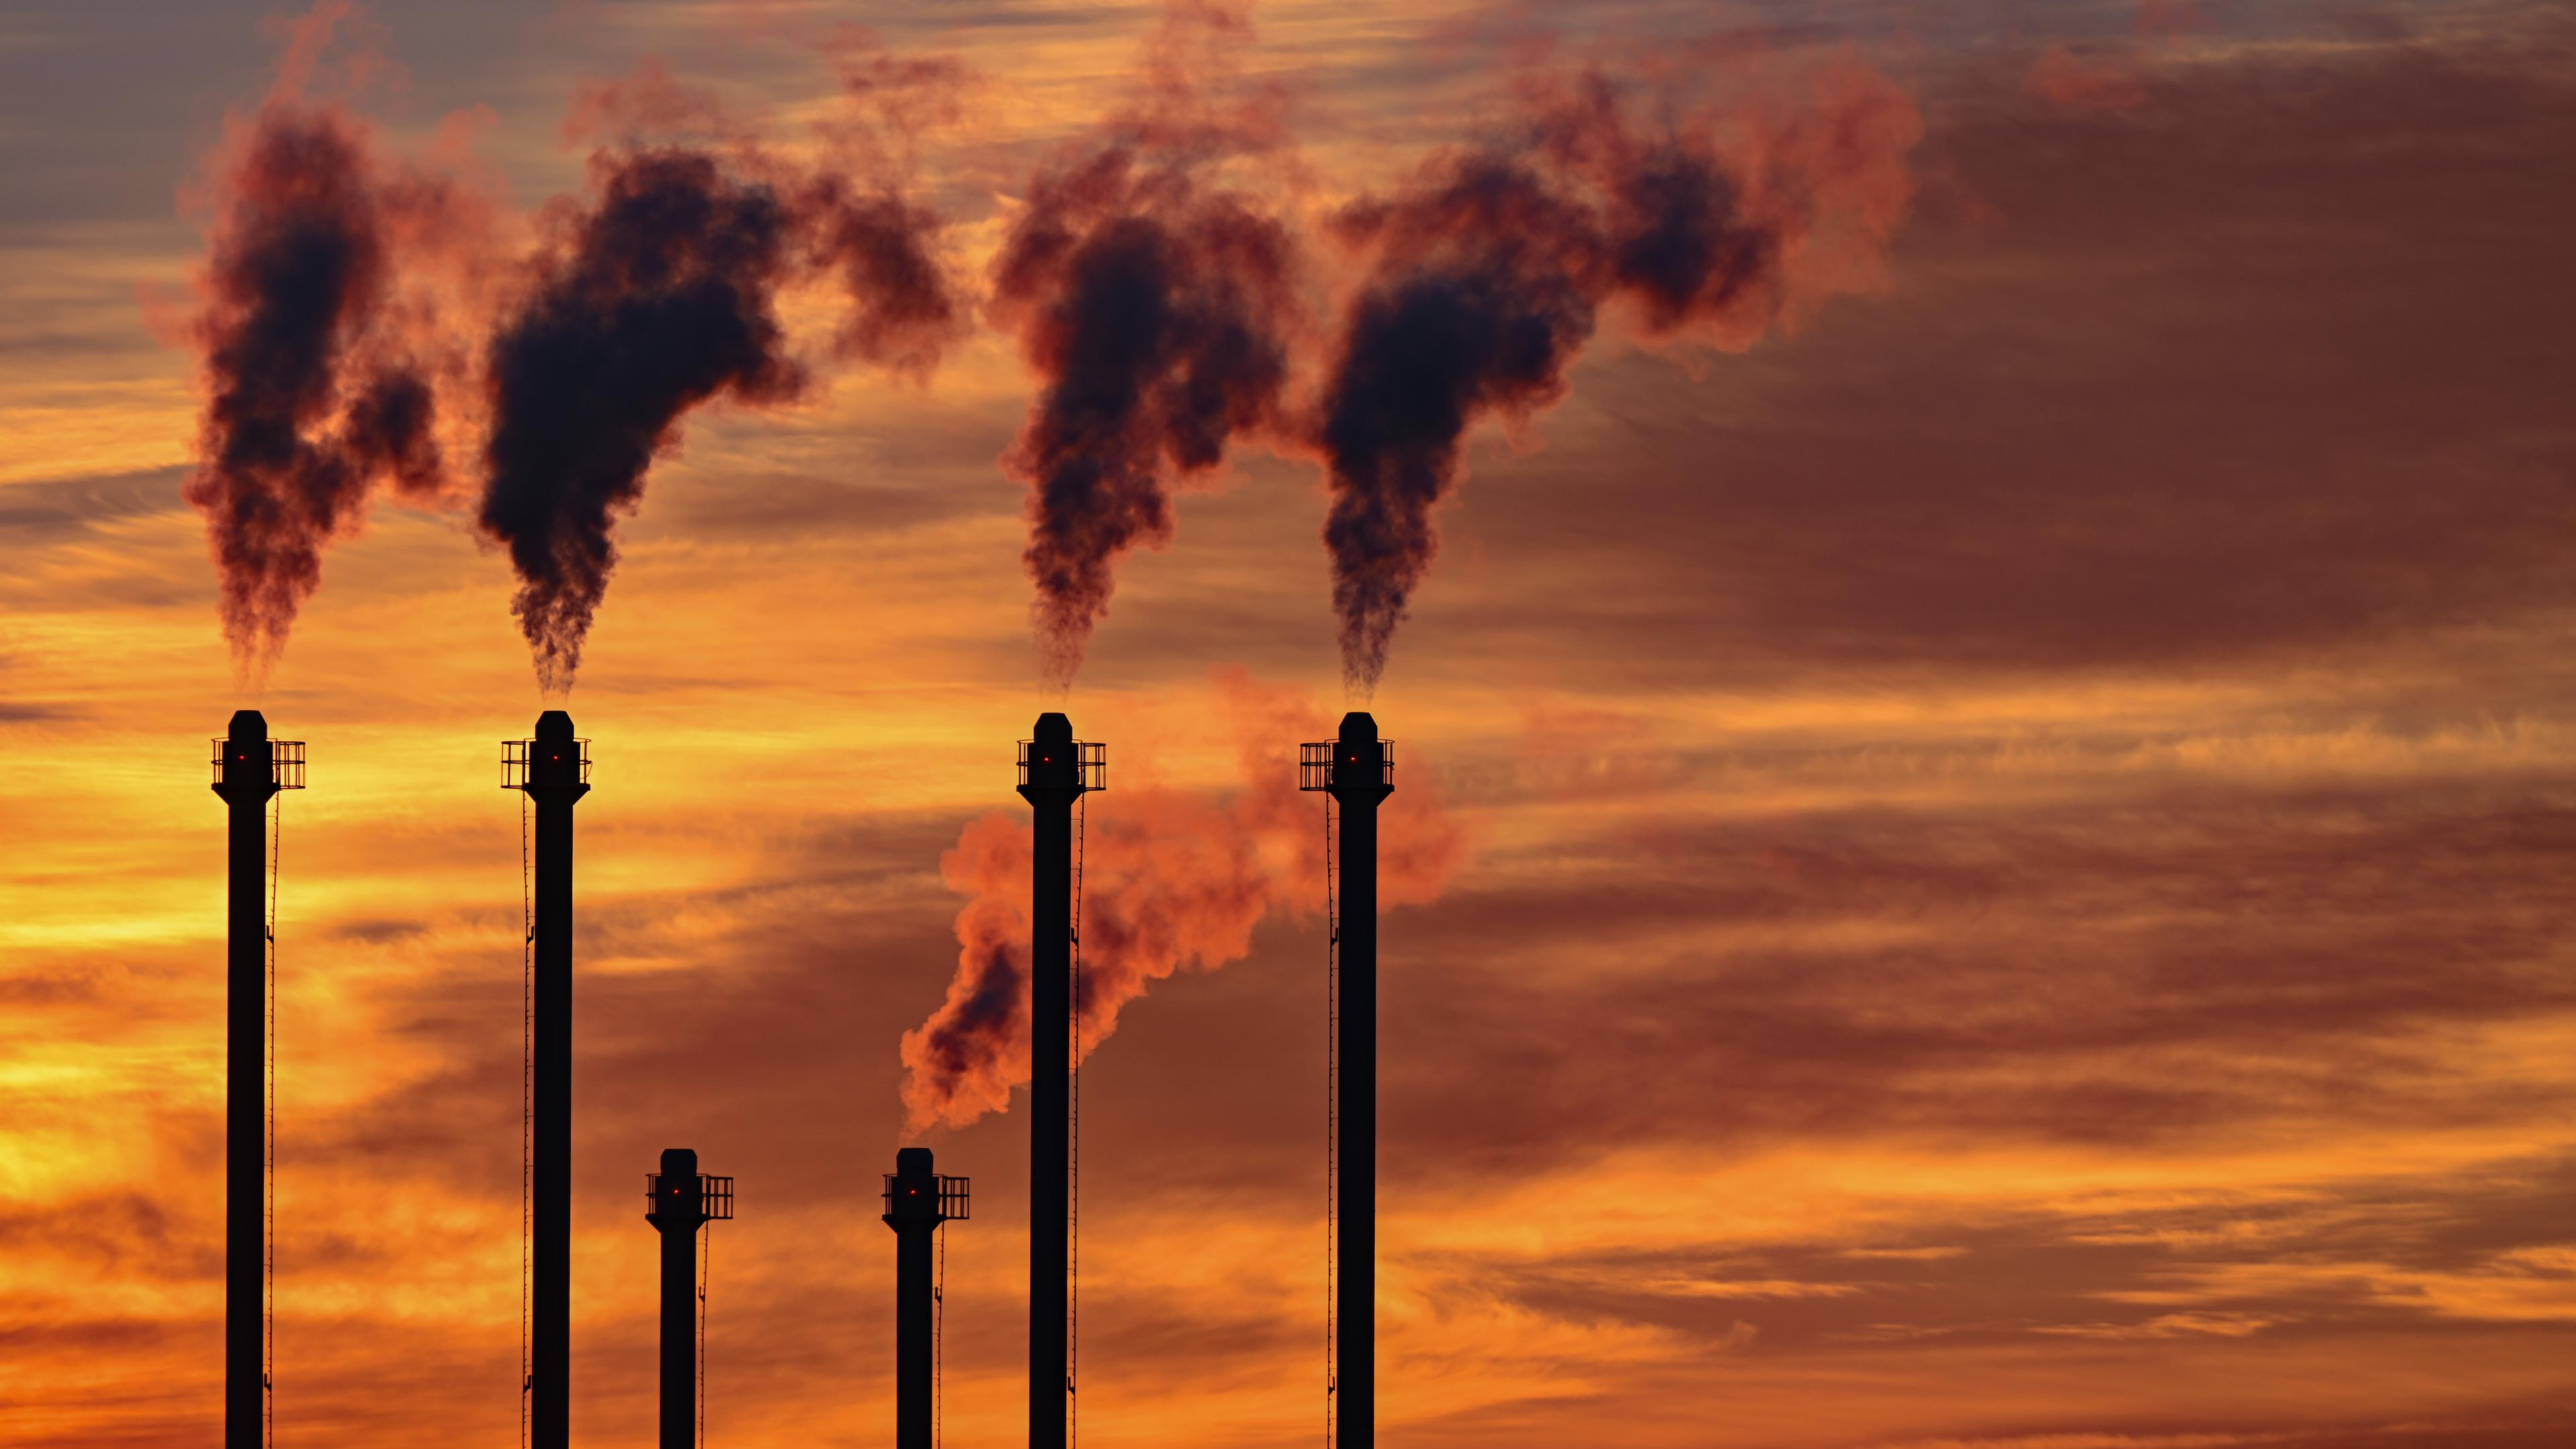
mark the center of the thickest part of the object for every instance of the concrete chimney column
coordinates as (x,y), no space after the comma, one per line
(917,1201)
(677,1208)
(1359,776)
(246,777)
(555,774)
(1052,778)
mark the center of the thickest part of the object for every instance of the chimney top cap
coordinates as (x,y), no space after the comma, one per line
(1359,726)
(680,1162)
(912,1162)
(248,724)
(554,724)
(1053,728)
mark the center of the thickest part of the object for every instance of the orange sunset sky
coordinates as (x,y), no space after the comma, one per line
(1982,847)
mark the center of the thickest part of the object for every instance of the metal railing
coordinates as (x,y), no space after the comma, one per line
(515,757)
(285,763)
(1315,764)
(715,1196)
(952,1197)
(1090,760)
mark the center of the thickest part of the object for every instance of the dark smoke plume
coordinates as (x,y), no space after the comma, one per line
(1153,312)
(1488,276)
(1156,306)
(904,308)
(1491,286)
(662,296)
(311,397)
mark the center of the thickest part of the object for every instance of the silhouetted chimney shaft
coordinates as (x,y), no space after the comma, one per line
(554,779)
(1052,781)
(1360,780)
(248,777)
(915,1206)
(678,1211)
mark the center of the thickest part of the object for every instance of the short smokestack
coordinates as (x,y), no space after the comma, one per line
(917,1201)
(678,1202)
(1358,771)
(1055,770)
(554,770)
(249,768)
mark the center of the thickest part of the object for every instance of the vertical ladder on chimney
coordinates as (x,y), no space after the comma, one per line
(1332,1113)
(938,1341)
(268,1153)
(527,1106)
(706,1260)
(1073,1191)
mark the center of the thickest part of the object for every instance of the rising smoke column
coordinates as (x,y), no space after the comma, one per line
(1487,277)
(1172,880)
(1156,305)
(1490,285)
(313,393)
(662,295)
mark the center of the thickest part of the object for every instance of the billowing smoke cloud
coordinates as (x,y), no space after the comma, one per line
(663,297)
(663,294)
(314,394)
(1488,275)
(904,309)
(1156,305)
(1171,880)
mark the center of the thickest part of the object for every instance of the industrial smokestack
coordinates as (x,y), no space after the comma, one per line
(917,1201)
(677,1202)
(1358,771)
(554,770)
(1055,770)
(249,769)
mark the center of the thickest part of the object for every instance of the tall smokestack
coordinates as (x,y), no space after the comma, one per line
(1055,770)
(677,1202)
(554,770)
(249,769)
(1358,771)
(917,1201)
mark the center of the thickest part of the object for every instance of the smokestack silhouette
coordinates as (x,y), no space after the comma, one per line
(309,399)
(917,1201)
(1157,314)
(677,1202)
(249,769)
(1489,274)
(1358,771)
(554,771)
(1055,771)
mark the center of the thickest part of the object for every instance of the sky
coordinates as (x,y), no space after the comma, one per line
(1980,829)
